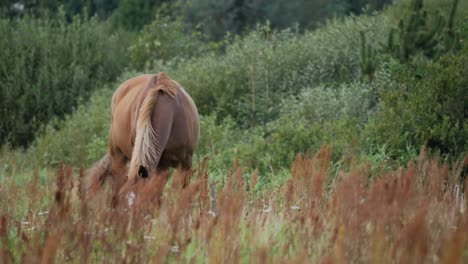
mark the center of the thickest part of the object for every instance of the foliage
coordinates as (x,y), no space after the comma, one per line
(134,14)
(316,215)
(258,71)
(402,9)
(81,138)
(368,60)
(428,106)
(219,142)
(360,6)
(46,8)
(164,39)
(423,32)
(320,115)
(215,18)
(48,66)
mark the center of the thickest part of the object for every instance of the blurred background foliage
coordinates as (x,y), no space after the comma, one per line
(374,78)
(48,66)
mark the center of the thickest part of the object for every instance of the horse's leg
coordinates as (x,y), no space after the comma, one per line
(162,176)
(186,167)
(95,177)
(147,191)
(118,171)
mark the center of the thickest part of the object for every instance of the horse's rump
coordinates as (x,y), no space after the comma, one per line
(145,153)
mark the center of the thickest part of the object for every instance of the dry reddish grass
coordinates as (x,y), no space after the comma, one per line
(411,215)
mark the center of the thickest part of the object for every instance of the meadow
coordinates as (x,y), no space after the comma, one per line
(340,140)
(320,214)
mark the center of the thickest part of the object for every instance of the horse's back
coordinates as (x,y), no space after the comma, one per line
(131,84)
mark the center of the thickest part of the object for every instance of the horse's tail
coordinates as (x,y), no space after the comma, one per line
(144,153)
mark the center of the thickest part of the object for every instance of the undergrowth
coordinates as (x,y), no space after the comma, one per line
(405,215)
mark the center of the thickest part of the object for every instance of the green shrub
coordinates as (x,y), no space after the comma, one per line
(164,39)
(427,107)
(80,139)
(425,32)
(321,103)
(320,115)
(216,17)
(134,14)
(48,66)
(258,71)
(403,8)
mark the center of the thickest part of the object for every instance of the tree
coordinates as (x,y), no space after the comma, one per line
(135,14)
(101,8)
(357,6)
(216,17)
(423,32)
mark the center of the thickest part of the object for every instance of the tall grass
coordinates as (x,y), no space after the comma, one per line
(407,215)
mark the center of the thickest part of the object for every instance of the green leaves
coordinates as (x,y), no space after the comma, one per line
(164,39)
(423,32)
(47,66)
(428,106)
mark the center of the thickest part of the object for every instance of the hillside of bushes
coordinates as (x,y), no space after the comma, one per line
(264,95)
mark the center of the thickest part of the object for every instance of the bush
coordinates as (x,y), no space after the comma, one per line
(48,67)
(403,8)
(258,71)
(134,14)
(275,67)
(216,18)
(81,138)
(427,107)
(320,115)
(165,39)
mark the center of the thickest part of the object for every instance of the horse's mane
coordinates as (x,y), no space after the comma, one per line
(144,152)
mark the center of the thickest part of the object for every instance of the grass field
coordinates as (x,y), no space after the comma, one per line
(356,213)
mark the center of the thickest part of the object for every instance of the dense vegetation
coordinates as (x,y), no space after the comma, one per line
(374,84)
(409,215)
(50,66)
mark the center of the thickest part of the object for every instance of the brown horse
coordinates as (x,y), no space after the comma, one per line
(154,126)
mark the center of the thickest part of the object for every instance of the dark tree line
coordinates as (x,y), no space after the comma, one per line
(213,17)
(216,17)
(100,8)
